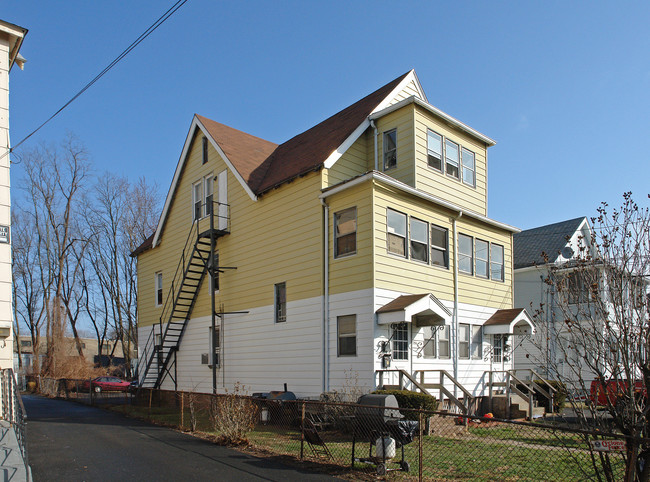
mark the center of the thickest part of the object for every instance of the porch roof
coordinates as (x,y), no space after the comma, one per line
(509,322)
(422,310)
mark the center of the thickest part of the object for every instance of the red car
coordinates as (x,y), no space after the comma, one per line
(107,384)
(611,390)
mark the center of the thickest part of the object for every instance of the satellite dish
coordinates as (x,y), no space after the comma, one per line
(567,252)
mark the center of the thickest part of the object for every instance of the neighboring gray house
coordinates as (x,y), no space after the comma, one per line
(535,252)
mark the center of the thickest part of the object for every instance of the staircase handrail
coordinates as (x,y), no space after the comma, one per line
(179,274)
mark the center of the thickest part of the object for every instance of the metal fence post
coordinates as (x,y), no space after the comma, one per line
(420,451)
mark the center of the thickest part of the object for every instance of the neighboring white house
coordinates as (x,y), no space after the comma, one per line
(537,251)
(11,38)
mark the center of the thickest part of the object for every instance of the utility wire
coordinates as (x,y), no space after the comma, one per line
(133,45)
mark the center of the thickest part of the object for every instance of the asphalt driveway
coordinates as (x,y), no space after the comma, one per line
(70,441)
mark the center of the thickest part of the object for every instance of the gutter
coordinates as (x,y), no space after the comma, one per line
(326,297)
(455,325)
(389,181)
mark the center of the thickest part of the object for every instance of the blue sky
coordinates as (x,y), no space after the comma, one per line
(563,87)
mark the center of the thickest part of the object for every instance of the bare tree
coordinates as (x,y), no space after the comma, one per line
(596,332)
(55,180)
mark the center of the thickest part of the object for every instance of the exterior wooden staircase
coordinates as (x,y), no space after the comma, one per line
(158,356)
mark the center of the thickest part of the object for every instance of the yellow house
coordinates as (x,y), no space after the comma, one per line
(359,251)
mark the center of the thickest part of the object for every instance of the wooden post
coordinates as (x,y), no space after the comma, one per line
(150,394)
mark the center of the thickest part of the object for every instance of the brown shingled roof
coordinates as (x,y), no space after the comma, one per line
(146,244)
(265,165)
(400,303)
(246,152)
(503,317)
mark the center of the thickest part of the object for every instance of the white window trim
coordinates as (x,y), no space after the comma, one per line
(487,260)
(346,335)
(336,237)
(406,231)
(471,256)
(462,166)
(437,248)
(387,133)
(503,263)
(158,284)
(473,344)
(446,340)
(425,243)
(458,166)
(442,155)
(468,341)
(208,181)
(198,183)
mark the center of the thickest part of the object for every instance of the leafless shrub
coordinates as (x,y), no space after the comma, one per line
(234,415)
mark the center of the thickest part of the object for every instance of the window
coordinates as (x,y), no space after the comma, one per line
(205,150)
(469,168)
(443,343)
(208,186)
(396,232)
(577,287)
(197,200)
(345,232)
(497,348)
(439,246)
(430,343)
(390,149)
(452,158)
(25,343)
(496,262)
(434,150)
(347,335)
(419,240)
(463,341)
(280,302)
(465,254)
(159,289)
(400,341)
(482,258)
(215,346)
(477,342)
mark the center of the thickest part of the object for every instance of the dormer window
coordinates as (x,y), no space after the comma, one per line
(452,158)
(390,149)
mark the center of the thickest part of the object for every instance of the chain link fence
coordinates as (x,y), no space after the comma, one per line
(356,440)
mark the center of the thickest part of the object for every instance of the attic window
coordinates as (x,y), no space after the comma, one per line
(390,149)
(205,150)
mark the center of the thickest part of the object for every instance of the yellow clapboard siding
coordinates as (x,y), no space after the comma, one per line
(403,121)
(439,184)
(355,161)
(410,276)
(354,272)
(274,239)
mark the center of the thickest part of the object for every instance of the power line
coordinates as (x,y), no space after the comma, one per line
(124,53)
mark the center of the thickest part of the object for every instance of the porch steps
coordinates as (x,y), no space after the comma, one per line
(518,407)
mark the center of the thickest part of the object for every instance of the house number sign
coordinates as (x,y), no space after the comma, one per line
(4,234)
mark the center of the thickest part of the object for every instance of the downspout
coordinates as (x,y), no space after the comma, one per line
(326,296)
(455,325)
(372,124)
